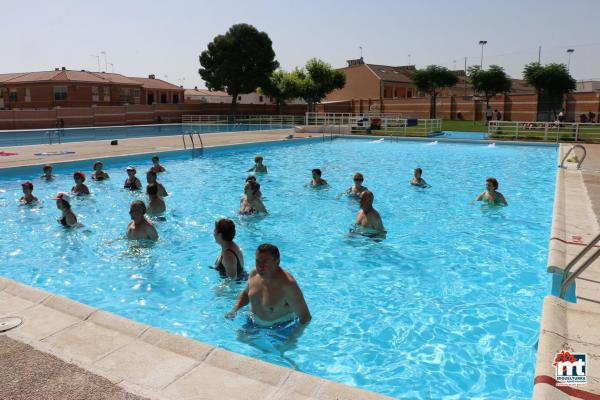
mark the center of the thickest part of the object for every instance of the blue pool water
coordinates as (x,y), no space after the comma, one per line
(45,136)
(447,305)
(462,135)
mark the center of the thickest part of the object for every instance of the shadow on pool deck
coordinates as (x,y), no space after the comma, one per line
(29,374)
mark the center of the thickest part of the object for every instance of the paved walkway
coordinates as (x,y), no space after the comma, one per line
(29,374)
(102,148)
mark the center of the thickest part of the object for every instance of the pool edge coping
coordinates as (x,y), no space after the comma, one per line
(70,315)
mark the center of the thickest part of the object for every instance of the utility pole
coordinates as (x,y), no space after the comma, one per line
(539,55)
(409,60)
(105,62)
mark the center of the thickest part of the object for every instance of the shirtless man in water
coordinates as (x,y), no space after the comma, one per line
(272,292)
(140,227)
(367,216)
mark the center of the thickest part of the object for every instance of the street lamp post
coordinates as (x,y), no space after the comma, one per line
(409,60)
(482,43)
(105,62)
(112,67)
(569,51)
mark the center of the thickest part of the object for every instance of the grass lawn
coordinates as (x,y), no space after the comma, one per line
(464,126)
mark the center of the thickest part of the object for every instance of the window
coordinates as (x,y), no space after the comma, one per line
(163,98)
(106,90)
(95,93)
(60,93)
(12,95)
(395,92)
(260,99)
(409,93)
(124,95)
(28,94)
(136,95)
(175,98)
(239,98)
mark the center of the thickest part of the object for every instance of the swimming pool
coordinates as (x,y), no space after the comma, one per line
(462,135)
(44,136)
(447,305)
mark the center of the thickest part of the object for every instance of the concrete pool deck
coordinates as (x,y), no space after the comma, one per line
(573,327)
(142,360)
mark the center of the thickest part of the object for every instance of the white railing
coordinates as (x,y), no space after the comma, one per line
(375,123)
(267,120)
(548,131)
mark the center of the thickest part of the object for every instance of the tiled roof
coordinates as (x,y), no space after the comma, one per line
(391,74)
(148,83)
(84,76)
(205,92)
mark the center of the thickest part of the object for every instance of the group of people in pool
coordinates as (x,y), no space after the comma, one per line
(139,227)
(274,296)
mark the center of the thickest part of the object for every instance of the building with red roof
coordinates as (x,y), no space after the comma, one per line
(69,88)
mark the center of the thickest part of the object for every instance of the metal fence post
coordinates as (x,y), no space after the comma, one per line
(577,132)
(517,132)
(546,131)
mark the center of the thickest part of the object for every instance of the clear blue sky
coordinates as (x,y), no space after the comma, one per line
(165,38)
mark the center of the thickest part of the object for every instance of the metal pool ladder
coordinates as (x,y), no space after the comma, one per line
(568,279)
(569,152)
(191,135)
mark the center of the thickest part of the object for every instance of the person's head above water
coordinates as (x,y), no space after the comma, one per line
(131,169)
(224,230)
(252,188)
(47,169)
(491,183)
(267,259)
(27,187)
(418,172)
(98,166)
(137,210)
(358,178)
(79,176)
(366,199)
(258,159)
(251,178)
(62,201)
(316,173)
(155,159)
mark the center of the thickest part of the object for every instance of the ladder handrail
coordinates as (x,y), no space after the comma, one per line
(192,139)
(569,152)
(566,278)
(200,137)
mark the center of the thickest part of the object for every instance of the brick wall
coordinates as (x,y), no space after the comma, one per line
(514,107)
(129,115)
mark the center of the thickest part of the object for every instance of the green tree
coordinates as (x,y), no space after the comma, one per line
(490,82)
(238,61)
(431,79)
(282,86)
(316,80)
(551,82)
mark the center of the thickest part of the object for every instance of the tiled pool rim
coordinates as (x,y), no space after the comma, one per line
(121,323)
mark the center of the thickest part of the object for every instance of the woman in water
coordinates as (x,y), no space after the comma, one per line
(47,173)
(80,188)
(251,202)
(98,174)
(28,198)
(230,262)
(68,218)
(358,187)
(490,196)
(417,180)
(132,182)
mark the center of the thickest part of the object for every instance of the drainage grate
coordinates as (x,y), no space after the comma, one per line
(8,323)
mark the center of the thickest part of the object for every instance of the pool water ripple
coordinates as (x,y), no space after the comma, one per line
(448,305)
